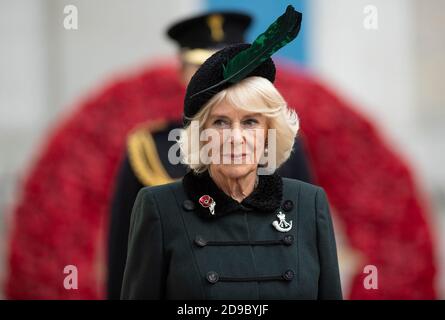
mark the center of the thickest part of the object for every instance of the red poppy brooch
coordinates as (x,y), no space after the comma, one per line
(207,202)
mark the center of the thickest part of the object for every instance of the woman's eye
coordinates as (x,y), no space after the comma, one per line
(220,123)
(251,122)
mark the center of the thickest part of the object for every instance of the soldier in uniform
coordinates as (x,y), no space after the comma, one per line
(224,231)
(146,162)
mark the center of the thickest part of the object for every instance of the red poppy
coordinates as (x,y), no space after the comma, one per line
(206,201)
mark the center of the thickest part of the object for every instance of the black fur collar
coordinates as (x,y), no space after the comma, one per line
(266,197)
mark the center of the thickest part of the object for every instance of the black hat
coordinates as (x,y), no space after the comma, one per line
(200,36)
(211,72)
(215,29)
(239,61)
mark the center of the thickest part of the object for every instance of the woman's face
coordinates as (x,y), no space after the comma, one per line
(238,138)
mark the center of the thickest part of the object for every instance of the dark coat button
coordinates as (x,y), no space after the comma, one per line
(288,239)
(288,205)
(288,275)
(200,241)
(188,205)
(212,277)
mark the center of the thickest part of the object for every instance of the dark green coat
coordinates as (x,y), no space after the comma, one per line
(178,250)
(139,164)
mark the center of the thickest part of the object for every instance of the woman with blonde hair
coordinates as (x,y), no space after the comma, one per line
(232,228)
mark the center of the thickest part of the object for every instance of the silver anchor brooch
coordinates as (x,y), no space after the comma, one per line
(207,202)
(282,225)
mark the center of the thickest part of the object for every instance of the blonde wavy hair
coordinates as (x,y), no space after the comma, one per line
(252,94)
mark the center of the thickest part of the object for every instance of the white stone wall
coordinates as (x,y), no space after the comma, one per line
(394,75)
(46,69)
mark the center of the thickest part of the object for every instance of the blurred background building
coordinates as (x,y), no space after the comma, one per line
(393,72)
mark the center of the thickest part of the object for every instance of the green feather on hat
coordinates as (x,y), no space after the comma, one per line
(282,31)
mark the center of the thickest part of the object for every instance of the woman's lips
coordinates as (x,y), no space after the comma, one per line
(236,156)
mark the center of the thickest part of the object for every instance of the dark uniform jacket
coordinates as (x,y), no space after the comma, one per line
(178,250)
(147,164)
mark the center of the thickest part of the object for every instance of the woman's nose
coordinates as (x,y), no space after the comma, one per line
(237,136)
